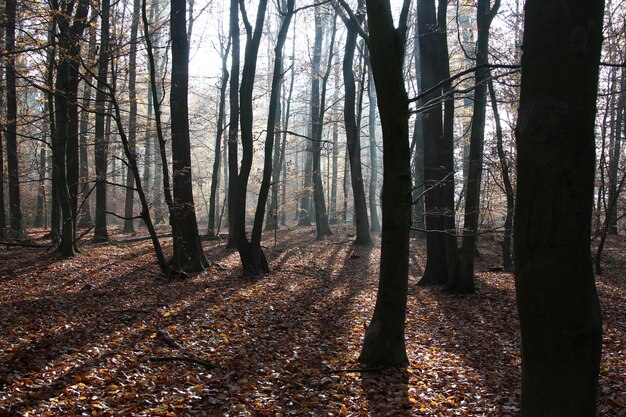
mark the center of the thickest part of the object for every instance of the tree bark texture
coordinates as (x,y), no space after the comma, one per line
(188,253)
(384,342)
(556,295)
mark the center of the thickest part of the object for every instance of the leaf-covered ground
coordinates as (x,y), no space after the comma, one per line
(79,336)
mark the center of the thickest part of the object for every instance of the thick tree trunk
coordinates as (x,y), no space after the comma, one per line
(433,132)
(384,342)
(556,296)
(101,233)
(188,253)
(353,137)
(15,205)
(66,114)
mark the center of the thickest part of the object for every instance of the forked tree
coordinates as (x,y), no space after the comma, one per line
(384,342)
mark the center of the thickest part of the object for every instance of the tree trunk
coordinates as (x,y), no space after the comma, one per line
(507,261)
(188,253)
(84,215)
(102,145)
(556,296)
(3,219)
(215,177)
(40,215)
(353,135)
(233,129)
(129,224)
(15,206)
(463,282)
(373,197)
(66,113)
(384,342)
(433,132)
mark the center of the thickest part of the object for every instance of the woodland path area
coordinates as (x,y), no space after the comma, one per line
(92,335)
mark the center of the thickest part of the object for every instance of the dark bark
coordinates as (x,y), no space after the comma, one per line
(101,233)
(129,225)
(131,158)
(258,258)
(40,213)
(507,261)
(188,253)
(3,219)
(318,108)
(161,172)
(84,215)
(215,177)
(353,137)
(252,257)
(233,128)
(556,296)
(433,134)
(70,29)
(463,282)
(15,205)
(384,342)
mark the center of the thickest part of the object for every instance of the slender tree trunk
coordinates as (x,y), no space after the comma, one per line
(129,225)
(507,261)
(3,219)
(317,118)
(353,135)
(84,215)
(373,197)
(40,215)
(188,253)
(463,282)
(556,296)
(615,156)
(15,206)
(215,177)
(384,342)
(102,145)
(257,255)
(233,129)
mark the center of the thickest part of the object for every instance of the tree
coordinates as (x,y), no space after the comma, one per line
(70,28)
(129,226)
(224,49)
(556,297)
(188,253)
(373,197)
(384,342)
(101,233)
(318,107)
(442,252)
(353,136)
(463,282)
(15,205)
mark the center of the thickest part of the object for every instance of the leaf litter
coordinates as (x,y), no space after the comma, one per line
(99,335)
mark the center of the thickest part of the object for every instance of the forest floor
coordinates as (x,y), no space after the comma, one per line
(91,335)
